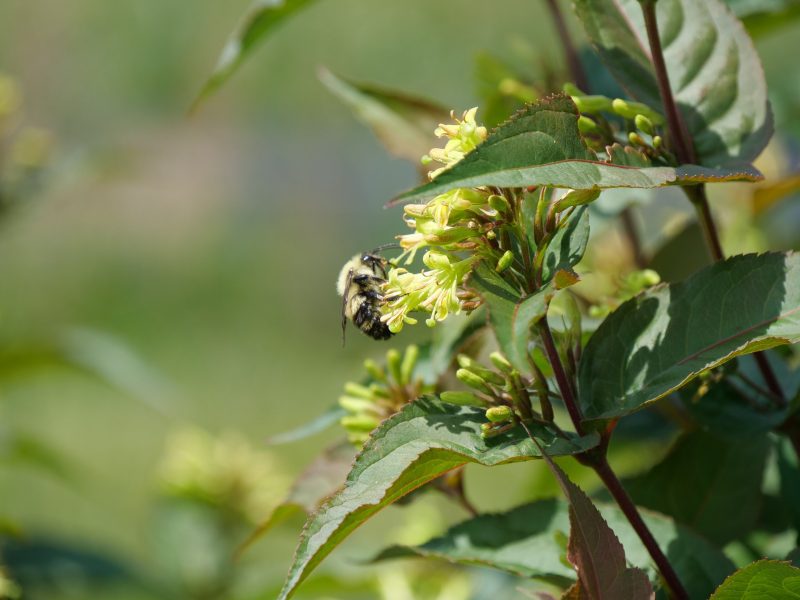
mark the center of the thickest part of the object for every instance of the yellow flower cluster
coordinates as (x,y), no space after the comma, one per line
(449,224)
(224,471)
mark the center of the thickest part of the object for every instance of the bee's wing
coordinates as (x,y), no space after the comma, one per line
(345,300)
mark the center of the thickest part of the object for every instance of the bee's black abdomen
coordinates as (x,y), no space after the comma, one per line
(368,320)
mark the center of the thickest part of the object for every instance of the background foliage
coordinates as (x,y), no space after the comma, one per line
(189,262)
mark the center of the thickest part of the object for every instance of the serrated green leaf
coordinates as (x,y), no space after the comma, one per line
(595,550)
(404,124)
(541,145)
(424,440)
(708,483)
(761,580)
(714,70)
(510,313)
(524,542)
(259,21)
(660,340)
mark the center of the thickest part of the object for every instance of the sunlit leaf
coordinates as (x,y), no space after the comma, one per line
(715,72)
(257,24)
(525,542)
(403,123)
(541,145)
(426,439)
(660,340)
(761,580)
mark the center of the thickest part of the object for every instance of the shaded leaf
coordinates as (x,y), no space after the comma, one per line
(321,478)
(510,313)
(260,20)
(447,340)
(732,413)
(525,542)
(541,145)
(660,340)
(708,483)
(568,245)
(404,124)
(424,440)
(761,580)
(715,72)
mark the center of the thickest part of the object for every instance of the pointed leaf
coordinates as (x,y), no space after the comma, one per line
(568,245)
(659,341)
(424,440)
(595,551)
(525,542)
(714,70)
(320,479)
(316,425)
(541,145)
(761,580)
(260,20)
(510,314)
(403,123)
(708,483)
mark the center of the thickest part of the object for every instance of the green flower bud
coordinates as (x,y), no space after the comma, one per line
(500,362)
(409,362)
(463,398)
(570,89)
(500,204)
(587,126)
(472,380)
(629,109)
(505,261)
(635,139)
(359,423)
(393,362)
(375,370)
(592,104)
(499,414)
(644,124)
(657,141)
(465,362)
(357,391)
(356,405)
(357,438)
(379,391)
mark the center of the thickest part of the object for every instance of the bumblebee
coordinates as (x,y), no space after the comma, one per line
(359,285)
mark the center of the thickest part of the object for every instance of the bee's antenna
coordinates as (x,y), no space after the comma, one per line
(389,246)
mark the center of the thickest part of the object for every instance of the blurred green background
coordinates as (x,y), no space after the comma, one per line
(209,244)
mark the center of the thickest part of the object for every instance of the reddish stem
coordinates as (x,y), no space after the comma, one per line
(609,478)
